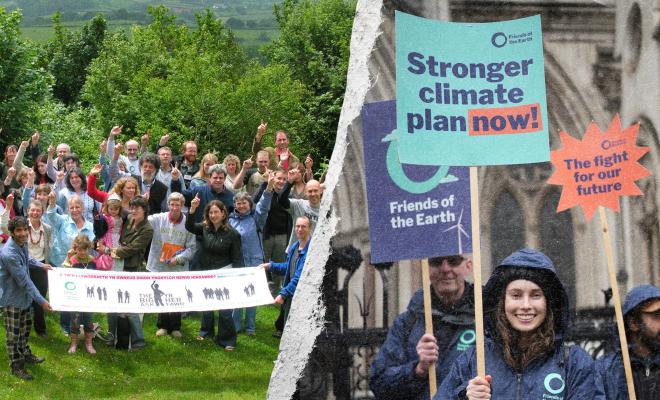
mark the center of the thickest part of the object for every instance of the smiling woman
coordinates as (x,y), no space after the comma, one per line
(526,317)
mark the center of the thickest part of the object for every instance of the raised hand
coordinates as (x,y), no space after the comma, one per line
(103,146)
(164,139)
(51,199)
(309,162)
(96,169)
(24,144)
(59,176)
(247,164)
(11,172)
(51,150)
(176,173)
(30,177)
(35,138)
(195,203)
(116,130)
(145,138)
(271,181)
(261,130)
(10,201)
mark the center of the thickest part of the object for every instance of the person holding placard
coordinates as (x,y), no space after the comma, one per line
(401,367)
(292,268)
(172,249)
(17,292)
(219,246)
(526,316)
(641,312)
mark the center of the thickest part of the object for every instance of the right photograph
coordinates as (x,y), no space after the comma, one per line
(559,250)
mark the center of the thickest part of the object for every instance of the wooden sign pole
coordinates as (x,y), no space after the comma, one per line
(617,304)
(476,264)
(428,320)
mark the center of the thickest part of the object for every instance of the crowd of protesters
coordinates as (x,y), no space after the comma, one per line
(119,215)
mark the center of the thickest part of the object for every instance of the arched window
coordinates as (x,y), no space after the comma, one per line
(507,228)
(556,233)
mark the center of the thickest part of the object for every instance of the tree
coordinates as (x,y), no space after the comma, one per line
(193,83)
(314,44)
(235,23)
(23,86)
(69,55)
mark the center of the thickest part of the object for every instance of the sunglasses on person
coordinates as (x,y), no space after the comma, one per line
(452,261)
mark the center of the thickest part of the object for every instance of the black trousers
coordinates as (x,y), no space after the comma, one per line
(169,321)
(40,279)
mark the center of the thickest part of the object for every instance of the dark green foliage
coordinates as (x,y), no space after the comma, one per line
(195,84)
(314,43)
(70,54)
(23,85)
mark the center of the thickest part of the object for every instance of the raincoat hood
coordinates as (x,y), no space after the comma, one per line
(639,295)
(534,266)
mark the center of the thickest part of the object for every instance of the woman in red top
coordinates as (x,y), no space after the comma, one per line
(126,188)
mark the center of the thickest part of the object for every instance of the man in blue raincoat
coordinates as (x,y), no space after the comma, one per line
(400,370)
(641,313)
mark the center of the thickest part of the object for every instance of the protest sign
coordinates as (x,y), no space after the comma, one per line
(594,172)
(72,289)
(598,169)
(414,211)
(470,93)
(428,206)
(421,205)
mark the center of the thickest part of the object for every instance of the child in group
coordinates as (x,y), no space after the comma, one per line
(108,233)
(79,257)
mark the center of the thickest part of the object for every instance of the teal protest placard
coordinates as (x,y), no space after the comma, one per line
(470,93)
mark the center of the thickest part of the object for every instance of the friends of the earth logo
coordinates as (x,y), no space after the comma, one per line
(554,385)
(466,340)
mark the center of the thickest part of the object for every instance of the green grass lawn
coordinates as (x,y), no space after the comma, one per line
(167,369)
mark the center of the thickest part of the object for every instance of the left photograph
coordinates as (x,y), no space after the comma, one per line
(163,186)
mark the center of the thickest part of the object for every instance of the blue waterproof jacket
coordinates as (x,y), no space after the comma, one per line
(393,371)
(283,268)
(566,374)
(610,375)
(250,225)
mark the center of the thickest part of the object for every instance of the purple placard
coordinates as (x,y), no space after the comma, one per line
(415,211)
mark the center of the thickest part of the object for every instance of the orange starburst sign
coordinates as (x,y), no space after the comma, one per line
(598,169)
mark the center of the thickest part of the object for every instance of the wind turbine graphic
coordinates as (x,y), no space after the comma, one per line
(459,230)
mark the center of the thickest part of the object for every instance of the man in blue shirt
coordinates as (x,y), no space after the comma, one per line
(16,295)
(293,266)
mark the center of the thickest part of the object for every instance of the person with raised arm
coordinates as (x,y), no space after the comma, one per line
(219,247)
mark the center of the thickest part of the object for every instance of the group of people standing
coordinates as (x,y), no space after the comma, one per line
(526,320)
(213,215)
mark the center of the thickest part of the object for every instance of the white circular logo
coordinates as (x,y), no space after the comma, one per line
(548,382)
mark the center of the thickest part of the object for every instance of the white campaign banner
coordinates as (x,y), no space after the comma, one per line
(72,289)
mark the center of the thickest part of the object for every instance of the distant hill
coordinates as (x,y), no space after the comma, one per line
(251,20)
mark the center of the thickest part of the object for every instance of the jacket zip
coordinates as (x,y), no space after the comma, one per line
(518,379)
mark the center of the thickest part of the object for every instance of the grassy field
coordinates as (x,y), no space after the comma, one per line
(167,369)
(43,33)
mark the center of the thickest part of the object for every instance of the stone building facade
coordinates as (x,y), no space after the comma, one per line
(600,58)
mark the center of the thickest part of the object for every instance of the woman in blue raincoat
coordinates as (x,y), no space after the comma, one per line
(526,317)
